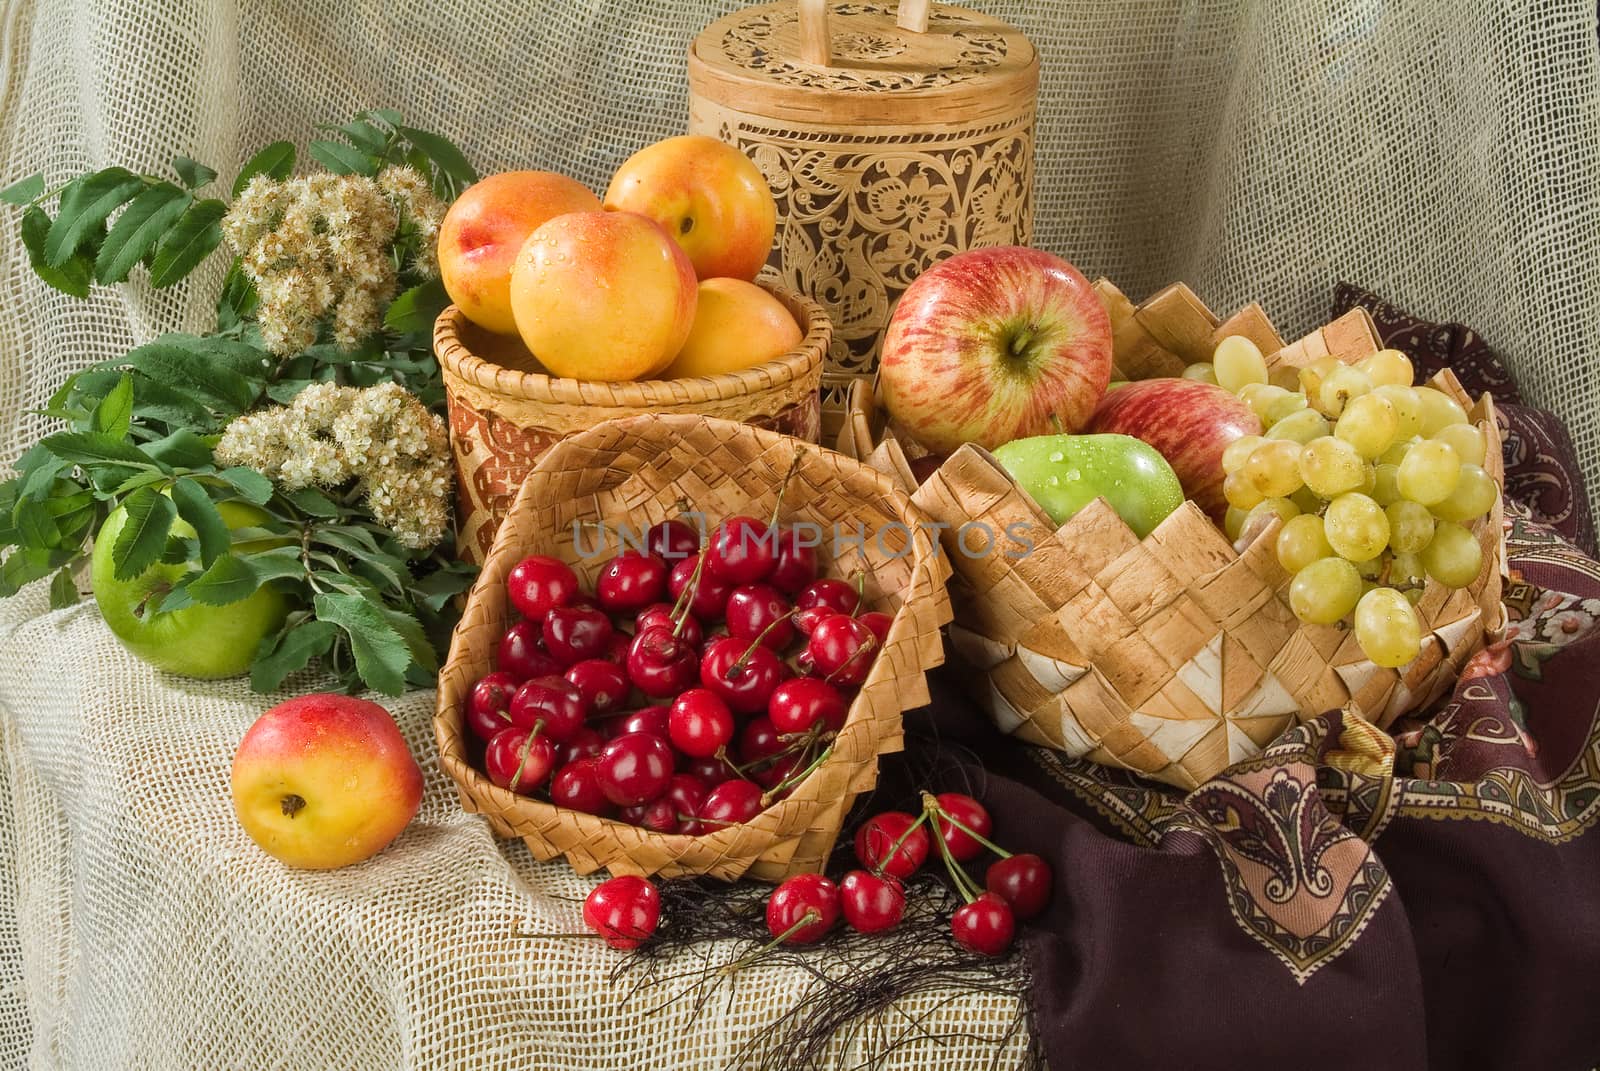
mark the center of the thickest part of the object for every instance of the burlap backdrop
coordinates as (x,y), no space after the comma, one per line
(1446,154)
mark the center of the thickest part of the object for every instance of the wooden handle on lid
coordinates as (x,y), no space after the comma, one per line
(815,44)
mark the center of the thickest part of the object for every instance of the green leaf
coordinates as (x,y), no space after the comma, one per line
(91,447)
(174,408)
(313,502)
(417,308)
(364,136)
(193,174)
(142,224)
(381,653)
(293,650)
(63,590)
(23,191)
(183,449)
(188,243)
(384,115)
(144,534)
(443,153)
(138,480)
(341,159)
(216,371)
(70,278)
(251,485)
(238,298)
(27,564)
(196,507)
(410,630)
(114,414)
(279,563)
(225,581)
(37,470)
(85,204)
(35,525)
(275,161)
(442,585)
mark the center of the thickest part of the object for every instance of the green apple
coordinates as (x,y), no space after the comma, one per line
(1064,473)
(201,641)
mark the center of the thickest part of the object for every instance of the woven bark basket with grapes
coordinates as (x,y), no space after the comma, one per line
(634,472)
(1178,654)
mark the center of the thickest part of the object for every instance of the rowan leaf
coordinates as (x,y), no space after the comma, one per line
(85,205)
(190,241)
(114,415)
(196,507)
(193,173)
(63,590)
(380,651)
(341,159)
(143,537)
(145,221)
(292,650)
(275,161)
(251,485)
(71,277)
(23,191)
(227,580)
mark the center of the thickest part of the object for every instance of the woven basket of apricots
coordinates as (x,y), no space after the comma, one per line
(682,655)
(1174,535)
(568,311)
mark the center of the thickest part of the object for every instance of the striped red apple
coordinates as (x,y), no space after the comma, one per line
(993,345)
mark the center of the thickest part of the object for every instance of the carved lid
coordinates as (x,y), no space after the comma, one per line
(967,67)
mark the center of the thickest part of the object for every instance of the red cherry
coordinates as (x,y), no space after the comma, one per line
(521,652)
(604,685)
(796,705)
(630,581)
(625,911)
(617,649)
(538,584)
(800,896)
(710,593)
(758,740)
(1023,881)
(574,633)
(488,707)
(661,664)
(820,597)
(871,903)
(553,701)
(586,743)
(879,623)
(576,786)
(672,541)
(986,926)
(743,677)
(843,649)
(519,759)
(686,793)
(660,815)
(729,804)
(796,562)
(879,834)
(635,768)
(659,615)
(756,610)
(970,813)
(699,723)
(741,550)
(651,719)
(803,664)
(710,770)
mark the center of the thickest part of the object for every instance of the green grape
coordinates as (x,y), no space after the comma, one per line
(1385,488)
(1368,423)
(1429,472)
(1388,368)
(1407,570)
(1369,480)
(1256,521)
(1201,371)
(1474,496)
(1387,628)
(1273,468)
(1308,500)
(1301,426)
(1301,542)
(1330,466)
(1397,451)
(1439,410)
(1324,591)
(1356,527)
(1238,361)
(1338,387)
(1466,440)
(1410,526)
(1453,558)
(1236,452)
(1370,570)
(1407,409)
(1240,492)
(1279,403)
(1233,521)
(1312,375)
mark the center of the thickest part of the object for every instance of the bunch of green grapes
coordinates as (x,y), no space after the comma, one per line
(1378,483)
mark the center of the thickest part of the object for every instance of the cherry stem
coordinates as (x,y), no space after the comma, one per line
(794,463)
(795,779)
(894,849)
(963,881)
(931,804)
(748,651)
(868,645)
(858,580)
(811,917)
(680,609)
(527,750)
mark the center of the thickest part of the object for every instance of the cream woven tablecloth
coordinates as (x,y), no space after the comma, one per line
(1447,155)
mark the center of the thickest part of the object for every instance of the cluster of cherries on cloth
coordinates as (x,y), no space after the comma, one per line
(693,687)
(891,847)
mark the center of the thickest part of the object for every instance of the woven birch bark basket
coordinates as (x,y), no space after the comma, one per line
(893,135)
(642,470)
(504,412)
(1173,656)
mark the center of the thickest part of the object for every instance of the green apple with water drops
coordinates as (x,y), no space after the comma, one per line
(1064,473)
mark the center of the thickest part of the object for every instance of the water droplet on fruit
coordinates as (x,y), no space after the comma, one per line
(1054,481)
(1058,456)
(1074,474)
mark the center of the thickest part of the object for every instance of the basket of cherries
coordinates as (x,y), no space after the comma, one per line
(709,695)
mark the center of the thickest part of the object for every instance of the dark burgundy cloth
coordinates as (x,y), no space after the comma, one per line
(1307,909)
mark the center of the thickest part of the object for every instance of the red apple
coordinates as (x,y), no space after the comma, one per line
(1190,423)
(993,345)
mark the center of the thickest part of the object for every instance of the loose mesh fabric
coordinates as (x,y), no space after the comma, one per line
(1447,155)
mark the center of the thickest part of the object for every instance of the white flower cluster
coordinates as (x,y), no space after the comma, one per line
(330,435)
(322,244)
